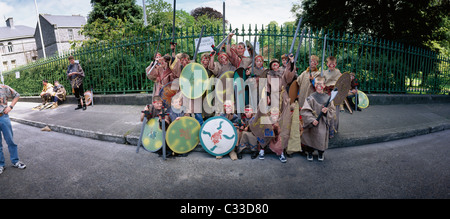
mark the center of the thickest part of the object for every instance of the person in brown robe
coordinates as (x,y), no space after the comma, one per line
(223,65)
(285,76)
(161,73)
(331,75)
(304,81)
(247,139)
(316,133)
(236,54)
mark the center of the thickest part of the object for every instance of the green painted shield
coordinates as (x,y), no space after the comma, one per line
(363,100)
(152,136)
(221,90)
(182,135)
(209,91)
(193,80)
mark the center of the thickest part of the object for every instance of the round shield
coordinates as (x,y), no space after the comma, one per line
(221,90)
(152,136)
(210,90)
(182,135)
(343,84)
(88,97)
(218,136)
(167,92)
(192,80)
(363,100)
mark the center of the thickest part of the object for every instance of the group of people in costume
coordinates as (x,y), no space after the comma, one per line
(285,118)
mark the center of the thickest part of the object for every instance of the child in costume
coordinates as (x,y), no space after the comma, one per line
(177,110)
(161,73)
(223,64)
(316,133)
(154,111)
(258,70)
(305,80)
(247,138)
(236,54)
(275,143)
(331,75)
(284,77)
(230,115)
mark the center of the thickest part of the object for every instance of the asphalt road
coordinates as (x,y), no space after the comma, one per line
(66,166)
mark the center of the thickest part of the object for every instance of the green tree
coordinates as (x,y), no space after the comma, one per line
(112,21)
(119,9)
(414,23)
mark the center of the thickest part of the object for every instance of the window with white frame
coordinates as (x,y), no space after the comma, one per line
(10,47)
(70,34)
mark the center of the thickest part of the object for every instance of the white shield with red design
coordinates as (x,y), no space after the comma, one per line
(218,136)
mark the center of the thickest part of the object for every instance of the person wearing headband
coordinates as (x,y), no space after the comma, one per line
(161,74)
(223,64)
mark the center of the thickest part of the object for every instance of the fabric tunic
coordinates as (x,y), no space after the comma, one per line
(331,77)
(239,61)
(219,69)
(305,87)
(316,136)
(285,77)
(161,76)
(247,139)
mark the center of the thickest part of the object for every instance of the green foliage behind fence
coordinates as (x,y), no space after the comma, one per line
(381,66)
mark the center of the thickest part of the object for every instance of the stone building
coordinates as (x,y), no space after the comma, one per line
(17,45)
(58,31)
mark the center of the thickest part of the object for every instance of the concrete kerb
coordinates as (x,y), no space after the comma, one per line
(338,141)
(385,136)
(75,131)
(144,98)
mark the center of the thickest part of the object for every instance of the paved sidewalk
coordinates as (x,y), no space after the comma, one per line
(121,124)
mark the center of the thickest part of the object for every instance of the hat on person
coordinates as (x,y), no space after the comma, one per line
(272,61)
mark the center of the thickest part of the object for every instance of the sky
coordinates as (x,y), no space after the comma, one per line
(237,12)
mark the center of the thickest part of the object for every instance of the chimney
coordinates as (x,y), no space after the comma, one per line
(10,23)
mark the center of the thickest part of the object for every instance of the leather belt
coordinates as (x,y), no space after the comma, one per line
(1,114)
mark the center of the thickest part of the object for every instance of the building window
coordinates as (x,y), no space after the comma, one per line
(5,65)
(70,34)
(10,47)
(2,48)
(13,64)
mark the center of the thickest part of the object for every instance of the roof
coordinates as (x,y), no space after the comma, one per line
(65,20)
(19,31)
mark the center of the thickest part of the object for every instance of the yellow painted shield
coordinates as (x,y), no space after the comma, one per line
(363,100)
(152,136)
(221,86)
(182,135)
